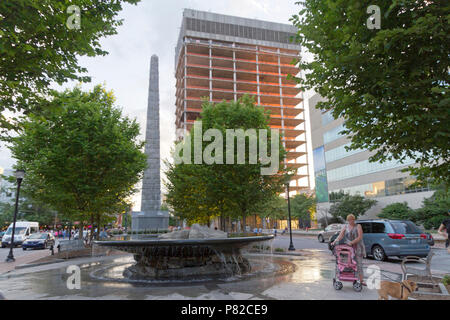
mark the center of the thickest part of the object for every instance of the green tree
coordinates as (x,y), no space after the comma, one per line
(336,196)
(199,192)
(302,206)
(434,209)
(390,85)
(398,210)
(37,48)
(356,205)
(84,160)
(275,209)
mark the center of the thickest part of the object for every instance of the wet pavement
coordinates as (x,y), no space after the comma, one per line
(308,276)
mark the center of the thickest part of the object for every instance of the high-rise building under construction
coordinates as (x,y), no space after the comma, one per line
(223,57)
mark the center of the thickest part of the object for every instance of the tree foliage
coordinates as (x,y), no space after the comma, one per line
(274,209)
(302,206)
(200,192)
(390,85)
(434,209)
(398,210)
(37,48)
(351,204)
(84,160)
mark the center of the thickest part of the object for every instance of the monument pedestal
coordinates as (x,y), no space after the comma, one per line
(150,220)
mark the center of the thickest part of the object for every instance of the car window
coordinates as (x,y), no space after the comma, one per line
(405,227)
(378,227)
(365,227)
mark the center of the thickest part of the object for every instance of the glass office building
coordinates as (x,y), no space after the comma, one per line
(338,169)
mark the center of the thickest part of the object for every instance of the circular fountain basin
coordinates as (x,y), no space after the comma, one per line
(185,258)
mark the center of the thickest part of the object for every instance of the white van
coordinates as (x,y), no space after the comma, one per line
(23,230)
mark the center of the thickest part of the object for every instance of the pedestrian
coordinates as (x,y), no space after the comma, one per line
(103,235)
(444,230)
(353,235)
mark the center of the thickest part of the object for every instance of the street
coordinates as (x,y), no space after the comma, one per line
(440,261)
(19,252)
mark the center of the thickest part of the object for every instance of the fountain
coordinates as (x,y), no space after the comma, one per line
(196,253)
(186,254)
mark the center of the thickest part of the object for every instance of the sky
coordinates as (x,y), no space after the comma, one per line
(152,27)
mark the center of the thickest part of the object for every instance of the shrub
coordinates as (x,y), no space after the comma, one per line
(397,210)
(446,280)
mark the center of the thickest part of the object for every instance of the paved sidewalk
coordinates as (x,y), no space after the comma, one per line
(29,258)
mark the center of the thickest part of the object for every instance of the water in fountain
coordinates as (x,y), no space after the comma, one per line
(186,254)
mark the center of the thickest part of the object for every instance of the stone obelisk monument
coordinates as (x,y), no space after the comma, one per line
(151,217)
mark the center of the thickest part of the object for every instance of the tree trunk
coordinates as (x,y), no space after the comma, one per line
(80,233)
(244,224)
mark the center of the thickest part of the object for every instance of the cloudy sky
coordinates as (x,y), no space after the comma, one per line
(152,27)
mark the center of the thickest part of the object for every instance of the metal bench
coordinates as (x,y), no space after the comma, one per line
(424,272)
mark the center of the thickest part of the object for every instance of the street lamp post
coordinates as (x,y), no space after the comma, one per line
(19,174)
(291,245)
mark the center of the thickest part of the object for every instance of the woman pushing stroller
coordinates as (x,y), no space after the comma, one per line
(353,235)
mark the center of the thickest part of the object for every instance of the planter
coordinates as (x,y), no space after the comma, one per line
(427,291)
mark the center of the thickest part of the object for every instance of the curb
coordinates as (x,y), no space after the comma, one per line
(30,265)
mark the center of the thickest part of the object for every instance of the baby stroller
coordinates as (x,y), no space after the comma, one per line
(346,267)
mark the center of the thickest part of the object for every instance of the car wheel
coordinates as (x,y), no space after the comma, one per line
(378,253)
(320,237)
(24,249)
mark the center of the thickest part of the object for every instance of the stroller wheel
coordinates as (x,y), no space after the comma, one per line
(357,286)
(337,284)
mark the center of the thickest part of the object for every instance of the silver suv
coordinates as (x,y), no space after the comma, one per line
(385,238)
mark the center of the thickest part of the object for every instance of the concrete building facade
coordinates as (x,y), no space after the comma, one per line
(220,57)
(336,169)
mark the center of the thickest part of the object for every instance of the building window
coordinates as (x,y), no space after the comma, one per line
(327,117)
(340,153)
(333,134)
(364,167)
(380,189)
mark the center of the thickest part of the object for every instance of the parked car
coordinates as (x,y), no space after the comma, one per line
(385,238)
(430,239)
(23,229)
(325,235)
(41,240)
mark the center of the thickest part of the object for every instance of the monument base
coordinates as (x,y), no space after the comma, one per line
(150,220)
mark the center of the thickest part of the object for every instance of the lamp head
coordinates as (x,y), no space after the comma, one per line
(19,174)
